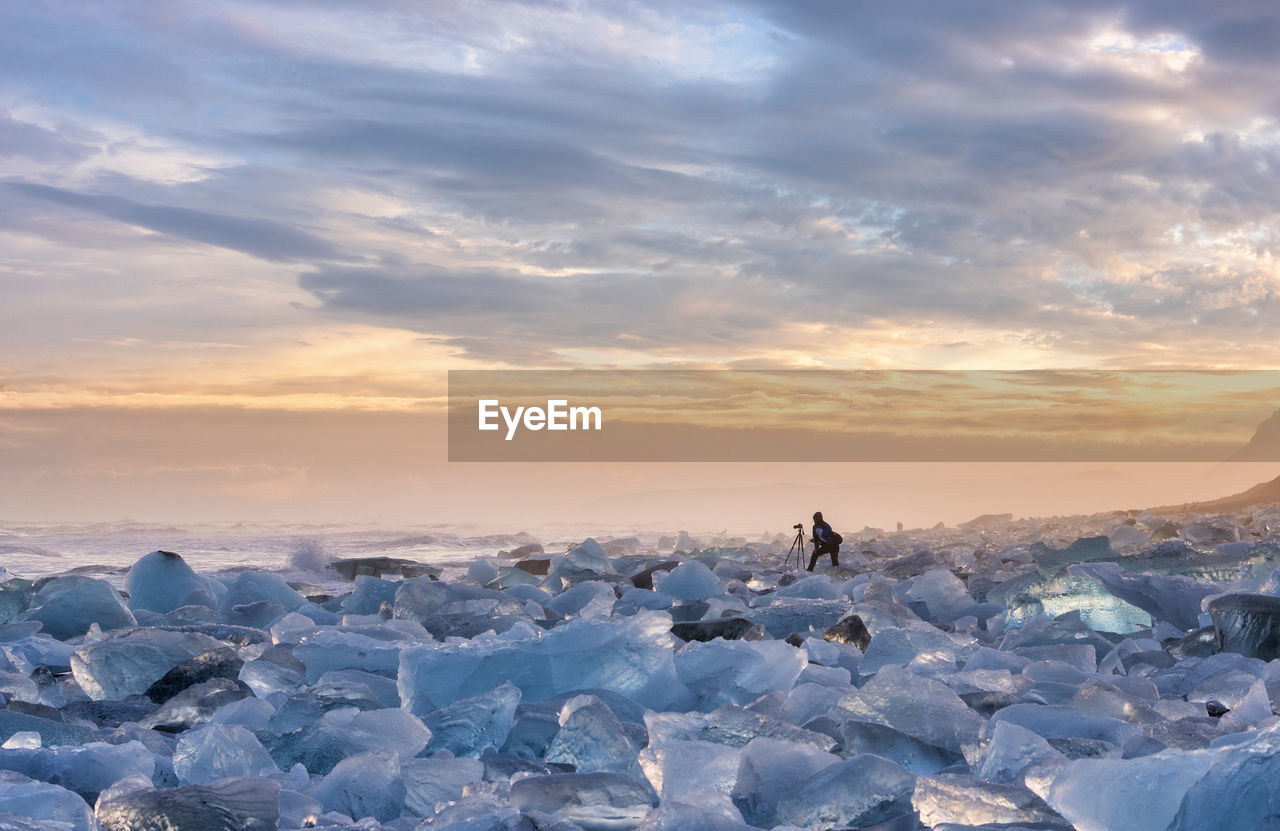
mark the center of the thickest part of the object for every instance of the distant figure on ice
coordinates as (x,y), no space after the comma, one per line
(825,541)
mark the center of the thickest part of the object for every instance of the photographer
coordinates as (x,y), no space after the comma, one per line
(825,541)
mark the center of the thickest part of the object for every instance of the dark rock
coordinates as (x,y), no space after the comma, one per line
(195,705)
(1248,624)
(216,663)
(795,639)
(502,768)
(644,579)
(987,702)
(378,566)
(1216,709)
(222,806)
(33,709)
(537,566)
(282,657)
(728,628)
(849,630)
(468,625)
(111,713)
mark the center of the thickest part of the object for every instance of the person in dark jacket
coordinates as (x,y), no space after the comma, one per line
(825,541)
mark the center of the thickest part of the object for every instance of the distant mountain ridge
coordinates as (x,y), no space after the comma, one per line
(1264,446)
(1266,493)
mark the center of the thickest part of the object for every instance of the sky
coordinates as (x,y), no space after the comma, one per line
(242,243)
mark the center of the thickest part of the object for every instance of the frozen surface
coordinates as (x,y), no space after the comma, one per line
(1108,672)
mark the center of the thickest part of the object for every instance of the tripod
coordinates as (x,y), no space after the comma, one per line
(797,547)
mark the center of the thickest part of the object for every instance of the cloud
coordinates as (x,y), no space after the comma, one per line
(1055,183)
(256,237)
(24,140)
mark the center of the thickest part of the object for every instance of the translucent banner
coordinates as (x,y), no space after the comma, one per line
(860,415)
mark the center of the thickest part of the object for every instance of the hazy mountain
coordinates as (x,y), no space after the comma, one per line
(1266,493)
(1265,444)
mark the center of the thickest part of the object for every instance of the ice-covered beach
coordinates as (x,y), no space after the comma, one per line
(1115,671)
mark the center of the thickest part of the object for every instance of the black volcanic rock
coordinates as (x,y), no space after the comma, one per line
(729,628)
(377,566)
(195,705)
(216,663)
(849,630)
(522,551)
(644,579)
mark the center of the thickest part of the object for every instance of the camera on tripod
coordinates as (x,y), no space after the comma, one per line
(797,547)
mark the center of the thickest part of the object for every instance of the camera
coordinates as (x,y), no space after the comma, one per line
(798,525)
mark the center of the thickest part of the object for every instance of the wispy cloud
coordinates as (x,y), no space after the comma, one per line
(1055,184)
(258,237)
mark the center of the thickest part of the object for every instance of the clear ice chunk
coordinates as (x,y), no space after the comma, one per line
(43,802)
(592,600)
(1142,794)
(680,768)
(339,734)
(67,607)
(374,649)
(922,708)
(864,790)
(944,595)
(592,739)
(722,672)
(217,751)
(1010,751)
(475,725)
(591,800)
(258,586)
(1174,598)
(970,801)
(429,782)
(771,770)
(369,595)
(690,581)
(364,785)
